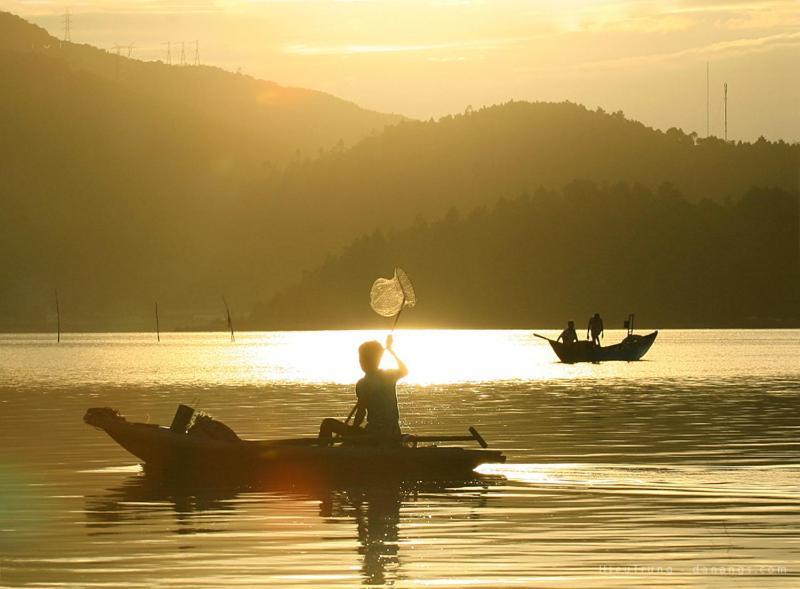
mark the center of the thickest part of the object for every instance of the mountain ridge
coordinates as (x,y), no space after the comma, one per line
(120,197)
(306,120)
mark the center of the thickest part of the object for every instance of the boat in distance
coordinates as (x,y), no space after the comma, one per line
(214,448)
(630,349)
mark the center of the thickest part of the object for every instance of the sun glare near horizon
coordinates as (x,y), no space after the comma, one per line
(423,58)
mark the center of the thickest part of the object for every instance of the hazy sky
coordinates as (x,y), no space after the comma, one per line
(431,58)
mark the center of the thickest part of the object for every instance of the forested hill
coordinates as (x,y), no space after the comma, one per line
(288,120)
(126,182)
(472,159)
(121,181)
(557,255)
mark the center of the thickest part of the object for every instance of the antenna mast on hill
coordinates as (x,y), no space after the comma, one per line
(726,110)
(708,110)
(67,26)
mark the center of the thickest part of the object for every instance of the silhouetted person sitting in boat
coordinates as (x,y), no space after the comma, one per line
(377,398)
(595,328)
(569,335)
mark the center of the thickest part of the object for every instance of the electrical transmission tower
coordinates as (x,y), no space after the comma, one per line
(67,26)
(169,52)
(197,53)
(183,52)
(118,50)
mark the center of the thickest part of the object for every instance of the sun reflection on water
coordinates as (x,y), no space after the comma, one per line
(433,356)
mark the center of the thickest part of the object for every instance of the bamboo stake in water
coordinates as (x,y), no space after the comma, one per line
(158,329)
(230,322)
(58,320)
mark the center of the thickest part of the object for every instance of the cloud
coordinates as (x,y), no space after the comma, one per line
(720,49)
(155,7)
(355,49)
(650,16)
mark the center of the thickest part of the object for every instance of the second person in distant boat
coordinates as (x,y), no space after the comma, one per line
(595,328)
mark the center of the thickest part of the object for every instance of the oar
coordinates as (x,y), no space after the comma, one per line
(350,415)
(543,337)
(474,436)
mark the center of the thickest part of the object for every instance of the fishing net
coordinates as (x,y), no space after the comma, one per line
(389,296)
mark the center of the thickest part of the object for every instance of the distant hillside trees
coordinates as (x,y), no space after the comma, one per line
(123,182)
(540,260)
(466,161)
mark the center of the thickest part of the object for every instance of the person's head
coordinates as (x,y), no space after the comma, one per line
(369,355)
(571,324)
(597,315)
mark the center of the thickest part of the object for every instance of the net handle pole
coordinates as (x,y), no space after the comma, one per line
(350,416)
(397,317)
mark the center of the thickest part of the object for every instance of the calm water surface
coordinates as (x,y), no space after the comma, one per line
(681,470)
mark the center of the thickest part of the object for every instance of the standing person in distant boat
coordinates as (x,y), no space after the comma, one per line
(569,335)
(595,328)
(377,398)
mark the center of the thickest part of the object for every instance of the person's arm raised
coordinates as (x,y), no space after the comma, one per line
(402,369)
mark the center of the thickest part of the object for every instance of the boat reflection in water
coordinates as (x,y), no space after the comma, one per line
(208,508)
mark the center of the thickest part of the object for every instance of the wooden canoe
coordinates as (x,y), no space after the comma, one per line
(160,448)
(632,348)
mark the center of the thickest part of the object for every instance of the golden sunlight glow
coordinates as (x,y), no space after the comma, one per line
(433,356)
(424,59)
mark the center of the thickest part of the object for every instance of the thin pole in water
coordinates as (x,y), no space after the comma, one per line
(58,320)
(230,322)
(158,329)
